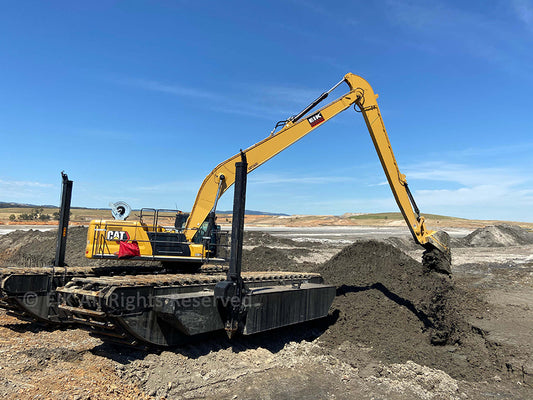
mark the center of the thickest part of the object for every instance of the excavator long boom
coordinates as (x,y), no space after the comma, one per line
(363,98)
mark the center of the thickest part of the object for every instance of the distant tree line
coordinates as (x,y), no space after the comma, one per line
(36,214)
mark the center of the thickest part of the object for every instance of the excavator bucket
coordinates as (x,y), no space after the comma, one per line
(438,256)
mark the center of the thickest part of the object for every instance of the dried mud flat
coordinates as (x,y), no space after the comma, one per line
(395,330)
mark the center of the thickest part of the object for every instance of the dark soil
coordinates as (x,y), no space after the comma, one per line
(264,258)
(389,302)
(43,356)
(271,253)
(252,238)
(37,249)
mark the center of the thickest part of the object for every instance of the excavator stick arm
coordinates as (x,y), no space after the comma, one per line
(368,106)
(362,97)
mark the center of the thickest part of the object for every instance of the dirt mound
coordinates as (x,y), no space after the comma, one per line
(264,258)
(252,238)
(404,243)
(498,236)
(271,253)
(389,302)
(374,265)
(37,249)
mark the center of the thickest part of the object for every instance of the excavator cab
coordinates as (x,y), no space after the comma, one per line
(181,219)
(211,236)
(155,237)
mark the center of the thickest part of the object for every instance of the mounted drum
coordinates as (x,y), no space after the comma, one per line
(120,210)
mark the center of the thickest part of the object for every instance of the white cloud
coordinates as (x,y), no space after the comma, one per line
(466,175)
(524,11)
(487,193)
(266,101)
(481,202)
(274,179)
(174,89)
(26,192)
(509,149)
(20,184)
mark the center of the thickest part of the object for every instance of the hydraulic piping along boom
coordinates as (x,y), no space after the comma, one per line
(362,97)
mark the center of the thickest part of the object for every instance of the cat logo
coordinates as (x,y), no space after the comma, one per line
(119,236)
(315,119)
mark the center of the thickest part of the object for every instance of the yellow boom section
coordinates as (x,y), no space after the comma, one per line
(256,155)
(362,95)
(368,106)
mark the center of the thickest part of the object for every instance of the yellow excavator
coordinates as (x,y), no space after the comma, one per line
(187,295)
(196,242)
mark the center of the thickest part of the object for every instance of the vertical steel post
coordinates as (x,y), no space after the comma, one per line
(64,216)
(229,293)
(237,225)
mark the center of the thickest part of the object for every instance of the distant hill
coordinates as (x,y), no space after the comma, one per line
(3,204)
(397,215)
(252,212)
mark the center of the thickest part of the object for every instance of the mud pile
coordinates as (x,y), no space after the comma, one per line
(388,302)
(264,258)
(498,236)
(253,238)
(405,243)
(378,267)
(37,249)
(271,253)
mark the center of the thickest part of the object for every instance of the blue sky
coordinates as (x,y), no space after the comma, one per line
(139,100)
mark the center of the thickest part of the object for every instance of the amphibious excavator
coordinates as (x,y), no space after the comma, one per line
(28,292)
(191,294)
